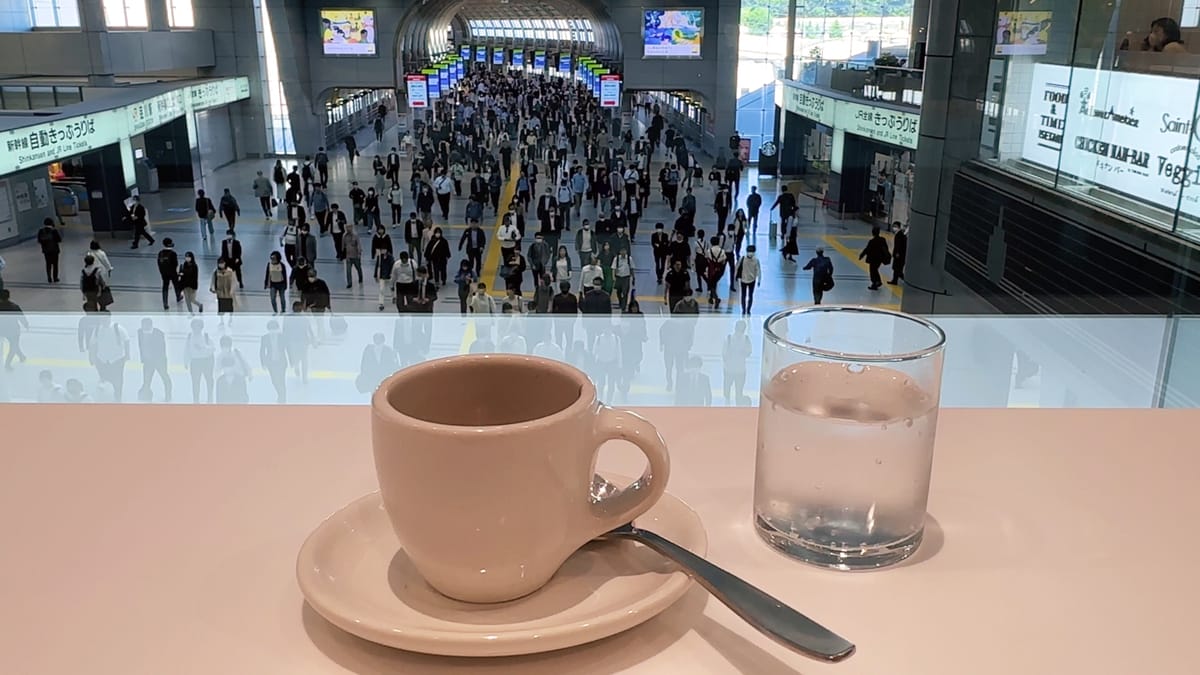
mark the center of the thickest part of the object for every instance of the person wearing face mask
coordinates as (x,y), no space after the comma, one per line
(728,242)
(465,280)
(425,201)
(189,281)
(585,241)
(678,285)
(749,273)
(231,251)
(740,225)
(222,286)
(437,256)
(382,254)
(621,240)
(822,279)
(714,267)
(306,245)
(622,271)
(275,282)
(371,208)
(660,243)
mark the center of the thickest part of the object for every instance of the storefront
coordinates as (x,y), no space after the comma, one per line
(92,159)
(857,158)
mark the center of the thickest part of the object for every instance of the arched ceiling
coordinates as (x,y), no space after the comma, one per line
(454,14)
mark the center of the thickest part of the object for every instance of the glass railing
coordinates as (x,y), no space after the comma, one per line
(637,360)
(863,80)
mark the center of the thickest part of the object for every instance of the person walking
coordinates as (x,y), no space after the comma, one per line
(749,273)
(109,351)
(231,251)
(205,211)
(230,209)
(622,271)
(199,352)
(168,271)
(714,268)
(876,254)
(753,204)
(189,281)
(475,242)
(152,350)
(443,187)
(318,201)
(899,252)
(565,307)
(316,296)
(50,240)
(275,282)
(306,245)
(437,256)
(141,225)
(322,161)
(12,322)
(678,284)
(96,294)
(272,355)
(101,256)
(382,254)
(224,287)
(822,279)
(352,254)
(265,193)
(336,223)
(395,199)
(414,233)
(465,280)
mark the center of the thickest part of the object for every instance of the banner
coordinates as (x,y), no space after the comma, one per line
(539,60)
(518,57)
(418,91)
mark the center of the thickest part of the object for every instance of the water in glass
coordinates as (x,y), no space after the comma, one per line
(844,458)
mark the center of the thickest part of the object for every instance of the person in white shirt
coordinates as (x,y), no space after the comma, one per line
(106,268)
(510,237)
(589,273)
(396,199)
(110,351)
(734,353)
(443,187)
(749,272)
(48,390)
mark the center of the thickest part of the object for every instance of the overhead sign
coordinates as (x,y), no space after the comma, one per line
(50,141)
(539,60)
(610,91)
(481,54)
(518,57)
(882,124)
(1117,130)
(809,104)
(564,63)
(418,91)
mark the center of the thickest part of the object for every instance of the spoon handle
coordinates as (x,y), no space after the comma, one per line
(770,616)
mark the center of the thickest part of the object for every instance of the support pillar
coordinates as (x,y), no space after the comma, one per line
(99,54)
(956,76)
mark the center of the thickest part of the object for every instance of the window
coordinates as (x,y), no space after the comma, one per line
(54,13)
(180,15)
(279,119)
(1191,14)
(125,14)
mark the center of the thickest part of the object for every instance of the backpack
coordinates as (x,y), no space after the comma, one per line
(164,260)
(89,283)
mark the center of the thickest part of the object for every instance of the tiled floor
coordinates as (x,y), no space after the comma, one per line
(135,279)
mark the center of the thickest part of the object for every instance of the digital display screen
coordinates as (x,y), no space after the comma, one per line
(498,56)
(465,52)
(348,32)
(518,57)
(672,33)
(1022,33)
(481,54)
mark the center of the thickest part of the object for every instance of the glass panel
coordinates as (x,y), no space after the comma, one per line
(41,97)
(67,95)
(179,14)
(15,98)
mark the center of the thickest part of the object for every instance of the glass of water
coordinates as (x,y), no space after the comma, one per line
(846,426)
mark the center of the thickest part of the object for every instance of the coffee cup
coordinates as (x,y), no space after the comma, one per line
(485,466)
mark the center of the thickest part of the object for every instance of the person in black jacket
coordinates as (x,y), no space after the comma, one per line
(168,269)
(205,211)
(231,251)
(899,252)
(822,279)
(423,299)
(316,294)
(565,307)
(137,216)
(475,240)
(753,204)
(596,300)
(661,243)
(50,239)
(875,253)
(437,256)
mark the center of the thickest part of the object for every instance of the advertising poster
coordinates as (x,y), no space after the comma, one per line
(21,197)
(673,33)
(518,57)
(481,54)
(564,63)
(1022,33)
(497,56)
(418,91)
(41,193)
(348,32)
(539,60)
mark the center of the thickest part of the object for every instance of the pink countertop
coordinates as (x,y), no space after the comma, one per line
(163,540)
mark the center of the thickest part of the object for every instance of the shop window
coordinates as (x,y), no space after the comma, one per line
(54,13)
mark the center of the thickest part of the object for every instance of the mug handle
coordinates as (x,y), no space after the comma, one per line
(632,501)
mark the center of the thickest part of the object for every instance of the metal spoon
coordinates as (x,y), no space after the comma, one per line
(770,616)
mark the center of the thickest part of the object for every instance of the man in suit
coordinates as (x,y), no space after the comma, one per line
(547,208)
(152,347)
(876,254)
(323,166)
(393,166)
(231,251)
(475,241)
(50,239)
(306,246)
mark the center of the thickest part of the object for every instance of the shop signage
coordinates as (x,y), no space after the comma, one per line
(882,124)
(610,91)
(808,104)
(1117,130)
(418,91)
(888,125)
(41,143)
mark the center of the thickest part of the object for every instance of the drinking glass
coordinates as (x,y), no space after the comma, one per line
(846,426)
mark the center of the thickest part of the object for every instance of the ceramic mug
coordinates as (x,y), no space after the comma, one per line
(485,465)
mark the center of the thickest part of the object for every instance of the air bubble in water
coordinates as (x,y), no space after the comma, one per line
(856,368)
(908,422)
(878,461)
